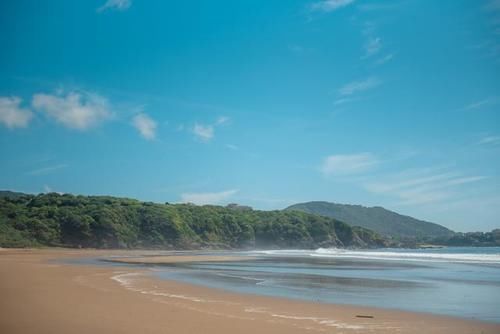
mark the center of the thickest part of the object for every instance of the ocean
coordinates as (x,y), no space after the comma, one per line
(462,282)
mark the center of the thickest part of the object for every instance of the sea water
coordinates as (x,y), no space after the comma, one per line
(463,282)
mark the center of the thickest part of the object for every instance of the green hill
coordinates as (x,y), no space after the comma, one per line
(10,194)
(378,219)
(110,222)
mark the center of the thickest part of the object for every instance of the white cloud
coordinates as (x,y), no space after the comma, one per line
(208,198)
(204,133)
(12,115)
(359,86)
(47,189)
(222,120)
(348,164)
(75,110)
(120,5)
(373,46)
(330,5)
(270,202)
(47,170)
(145,125)
(232,147)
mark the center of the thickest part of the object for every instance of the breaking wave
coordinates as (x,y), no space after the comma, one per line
(441,255)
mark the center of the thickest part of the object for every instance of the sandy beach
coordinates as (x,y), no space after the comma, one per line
(39,295)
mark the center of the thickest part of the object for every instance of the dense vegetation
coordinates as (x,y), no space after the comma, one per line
(378,219)
(472,239)
(110,222)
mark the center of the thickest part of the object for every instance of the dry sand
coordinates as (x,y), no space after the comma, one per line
(42,296)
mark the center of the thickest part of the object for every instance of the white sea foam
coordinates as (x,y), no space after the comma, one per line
(317,320)
(412,256)
(394,255)
(127,281)
(248,278)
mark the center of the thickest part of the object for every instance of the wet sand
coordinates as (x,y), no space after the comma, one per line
(38,295)
(170,259)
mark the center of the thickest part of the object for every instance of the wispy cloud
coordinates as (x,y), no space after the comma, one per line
(373,46)
(119,5)
(145,125)
(47,170)
(410,187)
(75,110)
(208,198)
(380,5)
(492,5)
(11,113)
(384,59)
(346,164)
(330,5)
(491,47)
(295,48)
(416,187)
(222,120)
(480,104)
(343,100)
(489,140)
(203,132)
(300,49)
(359,86)
(206,132)
(232,147)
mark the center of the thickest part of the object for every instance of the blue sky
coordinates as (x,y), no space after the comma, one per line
(265,103)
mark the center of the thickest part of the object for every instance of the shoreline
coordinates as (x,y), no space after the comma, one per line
(187,258)
(38,295)
(172,259)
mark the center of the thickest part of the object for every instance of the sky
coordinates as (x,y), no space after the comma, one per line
(257,102)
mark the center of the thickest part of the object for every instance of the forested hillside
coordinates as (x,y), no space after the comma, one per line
(378,219)
(110,222)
